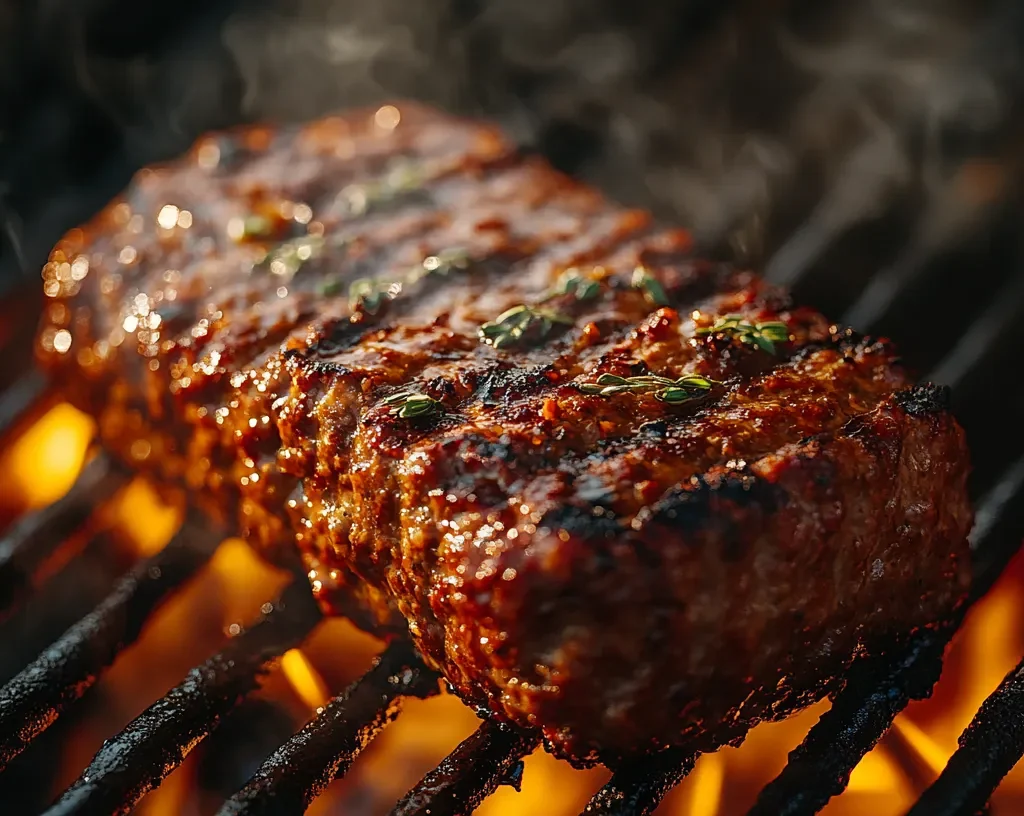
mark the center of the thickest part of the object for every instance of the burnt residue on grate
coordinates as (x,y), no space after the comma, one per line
(325,748)
(135,761)
(35,698)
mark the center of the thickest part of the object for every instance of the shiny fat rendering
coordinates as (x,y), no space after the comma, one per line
(375,345)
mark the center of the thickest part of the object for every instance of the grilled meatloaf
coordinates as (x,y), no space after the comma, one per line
(611,490)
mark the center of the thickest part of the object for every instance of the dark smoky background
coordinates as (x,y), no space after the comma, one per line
(846,148)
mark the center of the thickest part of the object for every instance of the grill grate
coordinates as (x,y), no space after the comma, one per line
(992,744)
(308,762)
(490,757)
(134,762)
(137,759)
(32,701)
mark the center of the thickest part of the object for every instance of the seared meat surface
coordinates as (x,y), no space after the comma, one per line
(612,491)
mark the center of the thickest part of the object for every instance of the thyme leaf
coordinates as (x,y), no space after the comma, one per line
(442,264)
(764,335)
(370,294)
(573,283)
(286,259)
(519,325)
(664,389)
(645,282)
(413,405)
(401,181)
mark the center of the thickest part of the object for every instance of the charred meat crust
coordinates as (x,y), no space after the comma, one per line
(621,571)
(721,607)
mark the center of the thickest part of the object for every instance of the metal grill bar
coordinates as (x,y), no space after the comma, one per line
(820,767)
(638,788)
(992,744)
(81,584)
(327,746)
(134,762)
(36,537)
(32,701)
(490,757)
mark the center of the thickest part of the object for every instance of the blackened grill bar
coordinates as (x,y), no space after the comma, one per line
(327,746)
(637,790)
(21,403)
(992,744)
(137,760)
(32,701)
(820,767)
(489,757)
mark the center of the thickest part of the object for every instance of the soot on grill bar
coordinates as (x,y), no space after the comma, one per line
(865,154)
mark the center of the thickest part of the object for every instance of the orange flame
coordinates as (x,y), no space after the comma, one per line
(309,686)
(44,462)
(706,788)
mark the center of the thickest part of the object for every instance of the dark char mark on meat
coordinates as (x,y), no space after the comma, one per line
(924,400)
(719,506)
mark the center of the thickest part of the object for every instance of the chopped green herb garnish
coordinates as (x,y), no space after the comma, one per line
(286,259)
(369,294)
(653,291)
(400,181)
(329,287)
(573,283)
(763,335)
(413,405)
(520,324)
(443,263)
(674,392)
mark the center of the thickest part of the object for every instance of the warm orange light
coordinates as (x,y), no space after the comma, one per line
(933,754)
(876,773)
(45,460)
(245,579)
(149,521)
(172,797)
(706,791)
(548,786)
(305,679)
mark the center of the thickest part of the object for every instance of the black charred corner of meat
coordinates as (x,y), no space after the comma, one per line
(715,506)
(924,400)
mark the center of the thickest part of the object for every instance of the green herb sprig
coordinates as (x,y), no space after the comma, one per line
(665,389)
(413,405)
(764,335)
(520,324)
(645,282)
(401,181)
(573,283)
(369,294)
(288,258)
(442,264)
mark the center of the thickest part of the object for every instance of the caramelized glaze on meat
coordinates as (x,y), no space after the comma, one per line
(621,571)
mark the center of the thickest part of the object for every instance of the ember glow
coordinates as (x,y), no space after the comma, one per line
(233,587)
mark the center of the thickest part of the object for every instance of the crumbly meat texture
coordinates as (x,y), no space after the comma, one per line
(623,572)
